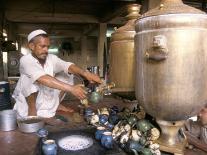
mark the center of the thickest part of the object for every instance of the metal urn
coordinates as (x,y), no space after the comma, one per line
(171,72)
(122,55)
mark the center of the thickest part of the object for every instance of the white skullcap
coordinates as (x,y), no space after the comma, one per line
(34,34)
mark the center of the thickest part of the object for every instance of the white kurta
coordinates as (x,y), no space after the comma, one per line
(48,98)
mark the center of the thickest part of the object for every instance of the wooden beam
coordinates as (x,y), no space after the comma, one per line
(114,12)
(35,17)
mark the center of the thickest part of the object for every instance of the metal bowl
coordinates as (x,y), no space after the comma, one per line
(30,124)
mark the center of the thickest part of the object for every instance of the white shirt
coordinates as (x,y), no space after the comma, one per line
(48,98)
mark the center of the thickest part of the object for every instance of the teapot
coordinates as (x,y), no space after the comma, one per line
(107,140)
(99,132)
(133,146)
(103,119)
(144,125)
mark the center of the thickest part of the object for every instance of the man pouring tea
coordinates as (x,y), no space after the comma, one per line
(39,91)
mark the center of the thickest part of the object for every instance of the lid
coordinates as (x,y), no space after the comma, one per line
(172,7)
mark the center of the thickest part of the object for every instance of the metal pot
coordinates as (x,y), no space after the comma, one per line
(171,71)
(171,61)
(122,55)
(30,124)
(8,120)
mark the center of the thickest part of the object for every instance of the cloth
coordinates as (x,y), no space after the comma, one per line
(48,98)
(196,129)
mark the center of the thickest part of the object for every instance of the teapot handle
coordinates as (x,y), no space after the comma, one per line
(99,112)
(134,151)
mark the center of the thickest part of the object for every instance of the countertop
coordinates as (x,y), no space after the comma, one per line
(18,143)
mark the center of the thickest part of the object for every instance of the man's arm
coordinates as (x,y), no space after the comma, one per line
(86,74)
(31,100)
(195,141)
(49,81)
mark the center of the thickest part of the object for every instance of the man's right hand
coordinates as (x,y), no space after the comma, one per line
(78,91)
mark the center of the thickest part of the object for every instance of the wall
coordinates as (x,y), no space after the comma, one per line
(83,54)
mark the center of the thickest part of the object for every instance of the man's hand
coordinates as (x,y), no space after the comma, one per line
(195,141)
(92,77)
(78,91)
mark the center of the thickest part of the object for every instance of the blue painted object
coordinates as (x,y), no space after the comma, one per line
(42,133)
(49,147)
(103,118)
(99,132)
(88,112)
(107,140)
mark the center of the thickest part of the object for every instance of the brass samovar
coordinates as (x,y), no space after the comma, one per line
(171,72)
(122,55)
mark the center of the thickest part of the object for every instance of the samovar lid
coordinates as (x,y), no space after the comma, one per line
(133,14)
(127,31)
(172,7)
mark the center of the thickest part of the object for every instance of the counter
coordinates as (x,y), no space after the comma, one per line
(18,143)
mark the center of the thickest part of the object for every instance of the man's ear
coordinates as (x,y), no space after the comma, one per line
(31,46)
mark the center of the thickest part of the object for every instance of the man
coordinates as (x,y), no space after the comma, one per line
(38,91)
(197,131)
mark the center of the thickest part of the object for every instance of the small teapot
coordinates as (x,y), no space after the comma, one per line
(145,151)
(132,119)
(107,140)
(94,119)
(136,135)
(49,147)
(103,118)
(133,146)
(99,132)
(154,134)
(103,111)
(42,133)
(88,112)
(95,97)
(125,137)
(144,125)
(154,147)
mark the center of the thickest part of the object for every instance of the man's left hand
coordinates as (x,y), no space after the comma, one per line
(92,77)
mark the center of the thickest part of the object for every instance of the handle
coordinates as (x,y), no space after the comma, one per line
(156,54)
(134,151)
(159,50)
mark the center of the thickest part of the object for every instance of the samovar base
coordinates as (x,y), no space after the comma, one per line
(170,140)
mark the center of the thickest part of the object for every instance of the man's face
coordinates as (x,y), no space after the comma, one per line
(40,47)
(203,116)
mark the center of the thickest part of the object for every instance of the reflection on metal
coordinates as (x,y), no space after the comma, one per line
(170,44)
(122,55)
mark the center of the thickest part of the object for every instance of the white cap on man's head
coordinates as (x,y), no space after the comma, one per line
(34,34)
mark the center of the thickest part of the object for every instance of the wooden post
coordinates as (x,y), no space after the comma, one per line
(84,52)
(101,44)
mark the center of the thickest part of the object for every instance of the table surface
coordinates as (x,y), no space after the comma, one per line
(18,143)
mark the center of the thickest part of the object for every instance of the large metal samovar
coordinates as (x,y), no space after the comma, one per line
(171,72)
(122,55)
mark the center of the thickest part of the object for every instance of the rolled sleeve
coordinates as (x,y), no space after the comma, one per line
(60,65)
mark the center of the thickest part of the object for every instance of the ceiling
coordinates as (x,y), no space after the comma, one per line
(71,16)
